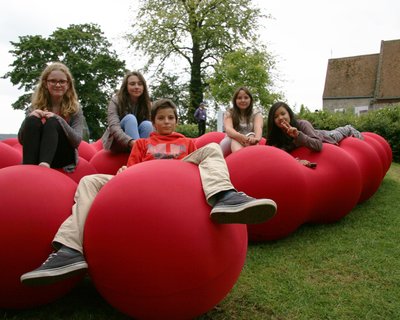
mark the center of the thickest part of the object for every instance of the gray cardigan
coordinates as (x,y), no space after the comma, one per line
(310,137)
(114,138)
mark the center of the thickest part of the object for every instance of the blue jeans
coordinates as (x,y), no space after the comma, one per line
(131,127)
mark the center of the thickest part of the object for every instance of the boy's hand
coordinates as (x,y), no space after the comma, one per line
(123,168)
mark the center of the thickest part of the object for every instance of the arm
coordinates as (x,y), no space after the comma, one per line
(196,114)
(308,137)
(74,130)
(231,132)
(258,126)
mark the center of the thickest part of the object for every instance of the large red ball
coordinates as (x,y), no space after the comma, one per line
(153,251)
(34,201)
(268,172)
(213,136)
(334,186)
(385,145)
(9,156)
(82,169)
(86,150)
(105,161)
(369,163)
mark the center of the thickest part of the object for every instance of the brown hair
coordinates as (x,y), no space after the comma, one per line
(144,103)
(236,112)
(163,104)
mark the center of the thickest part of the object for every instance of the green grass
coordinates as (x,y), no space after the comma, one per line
(345,270)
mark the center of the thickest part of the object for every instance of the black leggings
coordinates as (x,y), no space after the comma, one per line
(46,143)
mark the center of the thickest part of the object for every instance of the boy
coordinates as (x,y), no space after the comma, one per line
(229,206)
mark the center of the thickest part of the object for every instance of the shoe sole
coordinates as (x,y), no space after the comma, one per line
(256,211)
(44,277)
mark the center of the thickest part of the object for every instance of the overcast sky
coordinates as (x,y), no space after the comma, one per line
(303,35)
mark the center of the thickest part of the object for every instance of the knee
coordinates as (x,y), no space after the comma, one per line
(214,148)
(145,128)
(93,181)
(147,125)
(130,119)
(52,123)
(33,123)
(86,181)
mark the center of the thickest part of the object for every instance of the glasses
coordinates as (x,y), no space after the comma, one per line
(54,82)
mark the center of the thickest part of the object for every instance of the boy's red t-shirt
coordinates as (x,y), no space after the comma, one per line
(172,146)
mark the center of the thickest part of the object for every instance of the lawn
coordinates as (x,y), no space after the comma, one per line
(346,270)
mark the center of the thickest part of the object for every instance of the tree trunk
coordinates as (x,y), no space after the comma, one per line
(196,85)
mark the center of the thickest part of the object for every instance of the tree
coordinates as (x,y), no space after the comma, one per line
(199,31)
(83,48)
(244,67)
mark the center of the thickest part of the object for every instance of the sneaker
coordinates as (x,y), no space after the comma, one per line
(58,266)
(237,207)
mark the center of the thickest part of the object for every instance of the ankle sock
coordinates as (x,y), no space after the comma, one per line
(68,250)
(222,194)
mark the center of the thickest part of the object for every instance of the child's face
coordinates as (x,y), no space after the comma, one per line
(281,116)
(135,87)
(243,100)
(57,83)
(165,121)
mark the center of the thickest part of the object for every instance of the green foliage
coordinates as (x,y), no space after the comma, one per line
(198,32)
(243,67)
(188,130)
(384,122)
(83,48)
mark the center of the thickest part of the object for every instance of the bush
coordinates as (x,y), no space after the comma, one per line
(188,130)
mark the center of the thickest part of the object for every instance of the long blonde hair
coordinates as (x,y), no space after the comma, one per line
(41,97)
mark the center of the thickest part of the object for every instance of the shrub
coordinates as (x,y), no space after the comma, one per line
(188,130)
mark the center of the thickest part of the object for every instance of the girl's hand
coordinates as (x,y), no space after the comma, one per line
(49,114)
(38,113)
(253,140)
(307,163)
(290,131)
(243,140)
(123,168)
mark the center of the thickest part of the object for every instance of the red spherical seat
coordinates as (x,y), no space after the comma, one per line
(98,144)
(105,161)
(369,163)
(213,136)
(153,251)
(83,168)
(9,156)
(34,203)
(86,150)
(334,186)
(268,172)
(384,144)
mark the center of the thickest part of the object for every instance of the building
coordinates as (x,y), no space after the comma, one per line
(365,82)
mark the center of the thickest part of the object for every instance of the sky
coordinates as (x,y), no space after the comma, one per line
(302,36)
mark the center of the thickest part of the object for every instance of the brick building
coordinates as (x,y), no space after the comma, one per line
(365,82)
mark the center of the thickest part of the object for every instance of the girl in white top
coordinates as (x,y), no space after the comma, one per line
(243,124)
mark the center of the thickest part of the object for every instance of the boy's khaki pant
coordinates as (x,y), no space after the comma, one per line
(214,178)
